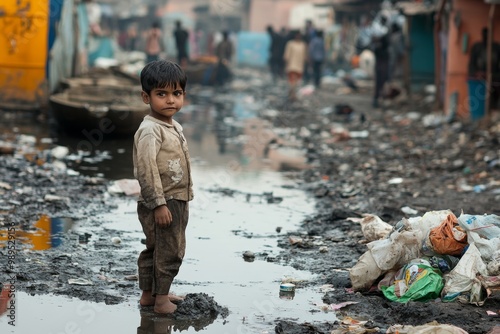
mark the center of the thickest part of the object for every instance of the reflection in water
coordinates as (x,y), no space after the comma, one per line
(48,233)
(154,323)
(287,295)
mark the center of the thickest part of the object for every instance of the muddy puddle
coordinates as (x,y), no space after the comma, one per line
(242,204)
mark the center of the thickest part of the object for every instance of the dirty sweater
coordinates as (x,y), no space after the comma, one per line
(161,163)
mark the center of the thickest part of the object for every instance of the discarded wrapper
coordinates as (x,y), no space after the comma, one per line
(287,287)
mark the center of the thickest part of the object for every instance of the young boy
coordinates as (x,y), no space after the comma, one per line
(162,167)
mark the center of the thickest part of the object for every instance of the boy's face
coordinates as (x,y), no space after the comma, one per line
(164,102)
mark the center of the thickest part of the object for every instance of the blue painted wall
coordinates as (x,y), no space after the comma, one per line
(422,49)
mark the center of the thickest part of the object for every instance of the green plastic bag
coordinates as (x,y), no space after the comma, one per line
(415,282)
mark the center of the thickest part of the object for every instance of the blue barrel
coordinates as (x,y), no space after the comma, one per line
(477,98)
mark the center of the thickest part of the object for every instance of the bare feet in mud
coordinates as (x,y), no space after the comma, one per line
(163,304)
(147,298)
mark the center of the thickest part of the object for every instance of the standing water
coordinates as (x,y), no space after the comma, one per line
(241,204)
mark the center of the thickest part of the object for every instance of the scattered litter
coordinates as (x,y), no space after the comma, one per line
(27,140)
(396,180)
(79,281)
(287,287)
(430,328)
(54,198)
(326,288)
(306,90)
(359,134)
(323,249)
(295,240)
(59,152)
(129,187)
(334,307)
(448,245)
(116,240)
(374,228)
(434,120)
(5,186)
(350,325)
(248,255)
(292,280)
(409,211)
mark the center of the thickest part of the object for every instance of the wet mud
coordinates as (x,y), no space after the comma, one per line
(440,166)
(197,310)
(443,165)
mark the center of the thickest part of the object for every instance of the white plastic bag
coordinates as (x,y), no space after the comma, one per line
(374,228)
(364,273)
(462,279)
(487,226)
(429,220)
(494,265)
(397,250)
(431,328)
(487,247)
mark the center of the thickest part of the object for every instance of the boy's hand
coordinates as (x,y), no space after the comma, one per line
(163,216)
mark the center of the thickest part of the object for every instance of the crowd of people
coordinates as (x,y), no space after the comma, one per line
(297,56)
(152,42)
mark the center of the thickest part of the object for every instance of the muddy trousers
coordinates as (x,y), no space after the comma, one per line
(159,263)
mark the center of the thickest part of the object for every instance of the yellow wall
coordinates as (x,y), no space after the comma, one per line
(23,50)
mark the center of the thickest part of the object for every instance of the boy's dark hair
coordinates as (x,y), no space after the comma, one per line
(161,74)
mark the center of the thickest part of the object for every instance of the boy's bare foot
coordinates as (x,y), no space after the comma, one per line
(164,305)
(175,298)
(147,298)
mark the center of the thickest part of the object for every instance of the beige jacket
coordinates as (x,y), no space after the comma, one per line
(162,163)
(295,56)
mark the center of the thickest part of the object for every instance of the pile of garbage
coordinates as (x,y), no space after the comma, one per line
(433,256)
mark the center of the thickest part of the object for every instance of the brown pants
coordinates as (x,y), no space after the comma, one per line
(159,263)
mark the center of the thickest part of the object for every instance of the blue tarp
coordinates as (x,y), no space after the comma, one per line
(100,47)
(253,48)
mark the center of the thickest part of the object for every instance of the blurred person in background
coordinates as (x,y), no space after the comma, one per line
(317,56)
(275,53)
(153,43)
(181,36)
(309,33)
(295,57)
(131,42)
(478,65)
(380,48)
(284,38)
(224,52)
(397,51)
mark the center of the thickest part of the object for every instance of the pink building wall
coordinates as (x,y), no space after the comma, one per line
(474,16)
(270,12)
